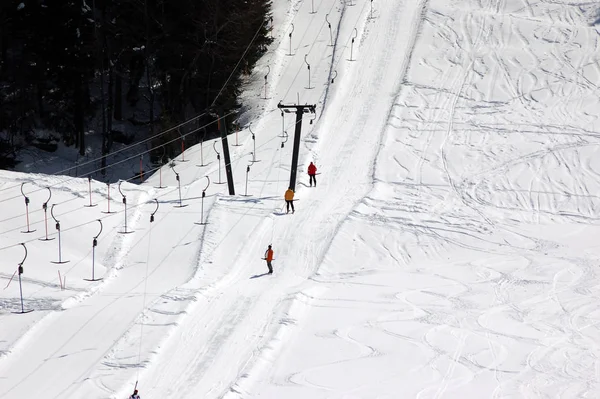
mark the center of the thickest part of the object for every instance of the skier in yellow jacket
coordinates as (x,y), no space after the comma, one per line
(289,199)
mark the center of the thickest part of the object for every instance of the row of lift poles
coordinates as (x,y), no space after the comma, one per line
(300,111)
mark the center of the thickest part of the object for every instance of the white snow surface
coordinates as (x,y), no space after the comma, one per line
(449,250)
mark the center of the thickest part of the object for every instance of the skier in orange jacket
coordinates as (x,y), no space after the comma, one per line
(289,199)
(269,259)
(312,171)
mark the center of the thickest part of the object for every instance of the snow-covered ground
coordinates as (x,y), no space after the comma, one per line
(449,249)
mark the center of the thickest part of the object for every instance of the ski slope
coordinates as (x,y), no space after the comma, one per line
(449,249)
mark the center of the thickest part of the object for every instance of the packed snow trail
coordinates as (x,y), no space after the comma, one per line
(236,318)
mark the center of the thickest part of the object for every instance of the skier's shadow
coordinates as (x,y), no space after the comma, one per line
(258,275)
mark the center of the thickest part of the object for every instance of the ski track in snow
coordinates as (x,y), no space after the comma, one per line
(448,251)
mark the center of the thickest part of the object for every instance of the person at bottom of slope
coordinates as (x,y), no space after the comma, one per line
(312,171)
(269,259)
(289,199)
(135,395)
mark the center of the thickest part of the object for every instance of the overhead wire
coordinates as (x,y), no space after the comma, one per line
(238,63)
(70,212)
(120,211)
(350,38)
(311,47)
(334,65)
(241,155)
(121,161)
(115,152)
(144,302)
(37,210)
(131,207)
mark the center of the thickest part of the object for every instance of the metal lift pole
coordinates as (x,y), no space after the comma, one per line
(228,171)
(300,111)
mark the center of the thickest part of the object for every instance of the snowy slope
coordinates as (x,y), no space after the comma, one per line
(448,250)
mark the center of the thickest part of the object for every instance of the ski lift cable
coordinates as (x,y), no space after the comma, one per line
(278,192)
(350,37)
(334,66)
(71,212)
(238,63)
(60,172)
(136,156)
(63,202)
(132,207)
(246,51)
(311,47)
(144,301)
(133,157)
(132,178)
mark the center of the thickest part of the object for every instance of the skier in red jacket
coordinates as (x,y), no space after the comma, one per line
(312,171)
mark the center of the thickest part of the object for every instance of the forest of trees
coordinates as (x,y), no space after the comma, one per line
(66,63)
